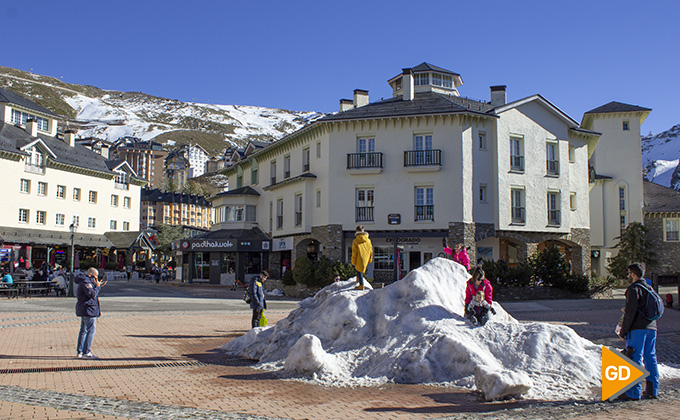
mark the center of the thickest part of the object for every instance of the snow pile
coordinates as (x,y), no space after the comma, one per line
(275,292)
(414,331)
(661,157)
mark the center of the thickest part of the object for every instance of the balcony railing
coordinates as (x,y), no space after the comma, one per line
(364,214)
(305,167)
(425,212)
(553,167)
(298,218)
(364,160)
(516,163)
(286,174)
(422,157)
(553,217)
(273,179)
(36,169)
(518,215)
(121,186)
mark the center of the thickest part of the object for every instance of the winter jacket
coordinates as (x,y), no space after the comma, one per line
(88,296)
(256,291)
(471,291)
(632,317)
(462,258)
(362,252)
(7,279)
(478,309)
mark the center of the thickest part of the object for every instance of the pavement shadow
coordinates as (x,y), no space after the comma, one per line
(174,337)
(456,403)
(122,359)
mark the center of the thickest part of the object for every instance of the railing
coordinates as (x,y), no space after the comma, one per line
(298,218)
(273,180)
(36,169)
(121,186)
(286,175)
(553,167)
(425,212)
(422,157)
(553,217)
(518,215)
(364,160)
(516,163)
(364,214)
(305,167)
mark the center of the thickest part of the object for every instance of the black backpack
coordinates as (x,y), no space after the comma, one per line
(654,306)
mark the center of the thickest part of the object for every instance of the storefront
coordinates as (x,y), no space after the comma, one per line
(222,256)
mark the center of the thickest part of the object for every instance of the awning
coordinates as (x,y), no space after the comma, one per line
(9,235)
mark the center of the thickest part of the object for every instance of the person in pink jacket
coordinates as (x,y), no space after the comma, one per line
(478,282)
(461,256)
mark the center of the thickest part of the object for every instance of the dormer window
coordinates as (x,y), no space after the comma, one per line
(442,80)
(21,118)
(421,79)
(122,181)
(35,162)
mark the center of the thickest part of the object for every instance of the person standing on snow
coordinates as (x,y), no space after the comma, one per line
(478,282)
(461,256)
(258,302)
(362,254)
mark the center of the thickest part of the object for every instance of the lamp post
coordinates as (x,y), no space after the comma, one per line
(72,228)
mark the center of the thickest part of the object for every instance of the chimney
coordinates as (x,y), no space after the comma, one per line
(360,98)
(70,138)
(407,86)
(32,127)
(346,105)
(498,96)
(105,151)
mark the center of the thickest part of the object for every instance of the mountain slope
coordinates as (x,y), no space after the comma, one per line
(109,115)
(661,158)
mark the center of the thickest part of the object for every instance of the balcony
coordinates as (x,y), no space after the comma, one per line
(364,214)
(422,160)
(518,215)
(365,163)
(121,186)
(424,212)
(553,167)
(517,163)
(554,217)
(35,169)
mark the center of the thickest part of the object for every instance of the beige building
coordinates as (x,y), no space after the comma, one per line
(147,158)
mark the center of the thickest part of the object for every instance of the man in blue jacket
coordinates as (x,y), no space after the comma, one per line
(258,302)
(87,308)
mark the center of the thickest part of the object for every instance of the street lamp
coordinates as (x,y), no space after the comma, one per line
(72,228)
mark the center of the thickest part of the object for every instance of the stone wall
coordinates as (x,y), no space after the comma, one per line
(666,254)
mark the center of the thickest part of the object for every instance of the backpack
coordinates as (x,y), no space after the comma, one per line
(653,304)
(246,297)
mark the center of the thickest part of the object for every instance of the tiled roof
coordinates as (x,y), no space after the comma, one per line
(247,190)
(660,199)
(617,107)
(13,98)
(430,67)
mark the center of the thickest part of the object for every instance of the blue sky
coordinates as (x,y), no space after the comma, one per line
(307,55)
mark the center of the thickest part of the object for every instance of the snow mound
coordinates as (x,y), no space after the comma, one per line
(414,331)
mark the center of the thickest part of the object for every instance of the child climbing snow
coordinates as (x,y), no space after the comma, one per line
(477,310)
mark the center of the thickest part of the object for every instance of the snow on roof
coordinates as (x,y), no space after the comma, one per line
(414,331)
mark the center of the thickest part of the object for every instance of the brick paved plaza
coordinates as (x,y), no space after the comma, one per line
(159,359)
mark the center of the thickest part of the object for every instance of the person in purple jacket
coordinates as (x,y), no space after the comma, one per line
(87,308)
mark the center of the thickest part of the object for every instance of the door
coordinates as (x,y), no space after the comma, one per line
(413,260)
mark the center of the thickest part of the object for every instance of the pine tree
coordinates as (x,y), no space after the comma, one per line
(633,247)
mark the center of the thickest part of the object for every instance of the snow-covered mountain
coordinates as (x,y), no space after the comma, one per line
(661,157)
(109,115)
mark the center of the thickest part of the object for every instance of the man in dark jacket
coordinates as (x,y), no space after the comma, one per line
(639,333)
(87,308)
(258,302)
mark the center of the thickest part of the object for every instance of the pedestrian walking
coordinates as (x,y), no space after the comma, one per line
(258,301)
(639,333)
(87,308)
(362,254)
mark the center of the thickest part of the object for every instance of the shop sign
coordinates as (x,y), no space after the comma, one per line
(394,219)
(282,244)
(206,244)
(404,240)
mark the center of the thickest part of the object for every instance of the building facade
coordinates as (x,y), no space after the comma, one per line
(147,158)
(175,209)
(502,178)
(662,219)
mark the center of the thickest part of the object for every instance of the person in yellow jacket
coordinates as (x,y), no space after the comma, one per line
(362,254)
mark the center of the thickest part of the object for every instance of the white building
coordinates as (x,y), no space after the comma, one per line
(427,164)
(52,183)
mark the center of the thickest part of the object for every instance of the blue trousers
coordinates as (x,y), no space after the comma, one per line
(88,326)
(360,277)
(644,343)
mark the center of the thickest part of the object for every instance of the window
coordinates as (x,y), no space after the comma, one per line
(35,162)
(622,199)
(271,215)
(254,176)
(442,80)
(239,213)
(298,209)
(318,198)
(126,226)
(272,171)
(516,154)
(40,217)
(76,194)
(365,200)
(572,201)
(59,220)
(517,203)
(126,202)
(421,79)
(91,222)
(114,200)
(19,117)
(286,167)
(93,197)
(626,125)
(572,154)
(383,258)
(279,213)
(61,191)
(76,220)
(23,215)
(552,159)
(122,181)
(482,141)
(25,186)
(424,208)
(671,230)
(554,208)
(366,156)
(318,149)
(239,181)
(114,225)
(42,188)
(305,159)
(482,193)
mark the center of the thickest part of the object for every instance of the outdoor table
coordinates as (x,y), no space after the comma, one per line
(28,286)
